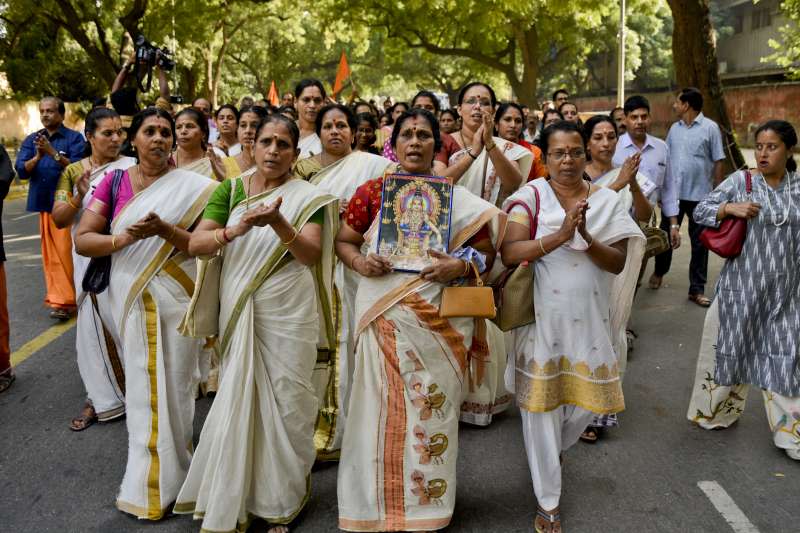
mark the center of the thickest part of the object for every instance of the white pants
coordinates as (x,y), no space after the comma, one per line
(546,436)
(101,370)
(719,406)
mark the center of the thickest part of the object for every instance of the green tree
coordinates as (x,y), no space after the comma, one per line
(787,53)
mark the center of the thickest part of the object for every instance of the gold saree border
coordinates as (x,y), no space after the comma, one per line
(327,415)
(166,249)
(153,511)
(268,268)
(431,524)
(242,527)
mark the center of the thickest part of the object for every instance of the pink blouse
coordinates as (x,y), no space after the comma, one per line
(101,200)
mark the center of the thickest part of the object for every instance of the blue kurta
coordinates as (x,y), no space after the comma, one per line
(758,292)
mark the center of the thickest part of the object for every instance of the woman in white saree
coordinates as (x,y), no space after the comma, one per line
(632,188)
(492,168)
(400,446)
(257,445)
(567,366)
(339,171)
(192,151)
(151,208)
(96,340)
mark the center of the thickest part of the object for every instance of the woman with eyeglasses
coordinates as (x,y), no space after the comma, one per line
(566,362)
(487,166)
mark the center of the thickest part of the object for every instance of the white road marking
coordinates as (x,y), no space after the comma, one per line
(727,507)
(26,215)
(25,238)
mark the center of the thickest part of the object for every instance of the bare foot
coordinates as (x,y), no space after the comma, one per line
(278,529)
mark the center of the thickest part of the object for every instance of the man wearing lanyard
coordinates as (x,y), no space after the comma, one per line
(697,156)
(41,158)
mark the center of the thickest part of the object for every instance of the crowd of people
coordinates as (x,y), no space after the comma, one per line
(233,252)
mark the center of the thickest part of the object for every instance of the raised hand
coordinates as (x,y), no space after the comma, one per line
(263,214)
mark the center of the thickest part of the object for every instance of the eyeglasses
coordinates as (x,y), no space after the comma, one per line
(483,102)
(558,155)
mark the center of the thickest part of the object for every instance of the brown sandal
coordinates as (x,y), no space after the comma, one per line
(590,435)
(87,418)
(700,299)
(655,282)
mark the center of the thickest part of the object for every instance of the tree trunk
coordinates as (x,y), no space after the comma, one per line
(694,54)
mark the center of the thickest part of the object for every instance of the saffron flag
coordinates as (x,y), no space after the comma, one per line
(273,95)
(342,73)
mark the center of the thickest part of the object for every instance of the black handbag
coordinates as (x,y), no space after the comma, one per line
(98,273)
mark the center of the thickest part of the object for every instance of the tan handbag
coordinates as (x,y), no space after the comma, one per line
(202,317)
(477,302)
(513,290)
(657,238)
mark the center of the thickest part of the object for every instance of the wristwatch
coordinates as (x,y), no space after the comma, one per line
(674,226)
(57,157)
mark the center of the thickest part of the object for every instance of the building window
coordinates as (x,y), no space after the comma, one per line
(762,17)
(738,22)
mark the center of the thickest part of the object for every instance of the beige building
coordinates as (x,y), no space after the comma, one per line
(741,50)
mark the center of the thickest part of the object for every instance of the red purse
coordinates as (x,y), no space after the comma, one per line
(727,240)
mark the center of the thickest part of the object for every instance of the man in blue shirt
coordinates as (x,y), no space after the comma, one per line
(41,158)
(696,159)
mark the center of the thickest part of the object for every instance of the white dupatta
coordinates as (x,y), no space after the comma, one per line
(473,178)
(177,197)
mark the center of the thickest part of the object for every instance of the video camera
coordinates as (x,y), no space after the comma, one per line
(147,57)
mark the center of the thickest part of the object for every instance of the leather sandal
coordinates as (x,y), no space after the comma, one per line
(590,435)
(87,418)
(553,521)
(700,299)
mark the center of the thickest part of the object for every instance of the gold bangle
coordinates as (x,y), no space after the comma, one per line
(113,243)
(290,241)
(217,238)
(490,148)
(466,268)
(541,245)
(171,235)
(69,201)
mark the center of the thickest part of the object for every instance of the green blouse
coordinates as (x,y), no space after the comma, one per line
(218,208)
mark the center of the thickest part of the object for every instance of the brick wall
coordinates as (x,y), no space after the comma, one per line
(748,107)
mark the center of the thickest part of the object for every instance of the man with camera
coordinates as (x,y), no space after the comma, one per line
(41,158)
(144,59)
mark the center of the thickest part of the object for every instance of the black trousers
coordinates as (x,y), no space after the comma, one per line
(698,265)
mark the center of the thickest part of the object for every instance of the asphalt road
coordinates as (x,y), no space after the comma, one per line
(643,477)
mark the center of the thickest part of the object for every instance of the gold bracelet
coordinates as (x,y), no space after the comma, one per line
(490,148)
(290,241)
(174,229)
(69,201)
(113,243)
(541,245)
(221,244)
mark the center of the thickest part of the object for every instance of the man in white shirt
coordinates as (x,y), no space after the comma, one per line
(654,165)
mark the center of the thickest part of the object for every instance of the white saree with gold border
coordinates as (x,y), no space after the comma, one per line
(202,166)
(256,449)
(400,446)
(97,343)
(572,354)
(149,292)
(333,374)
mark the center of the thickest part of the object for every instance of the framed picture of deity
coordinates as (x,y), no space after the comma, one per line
(414,219)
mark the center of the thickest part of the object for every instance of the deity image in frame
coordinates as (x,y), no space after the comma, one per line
(414,219)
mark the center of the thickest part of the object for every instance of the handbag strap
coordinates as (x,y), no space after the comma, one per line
(533,217)
(748,181)
(116,183)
